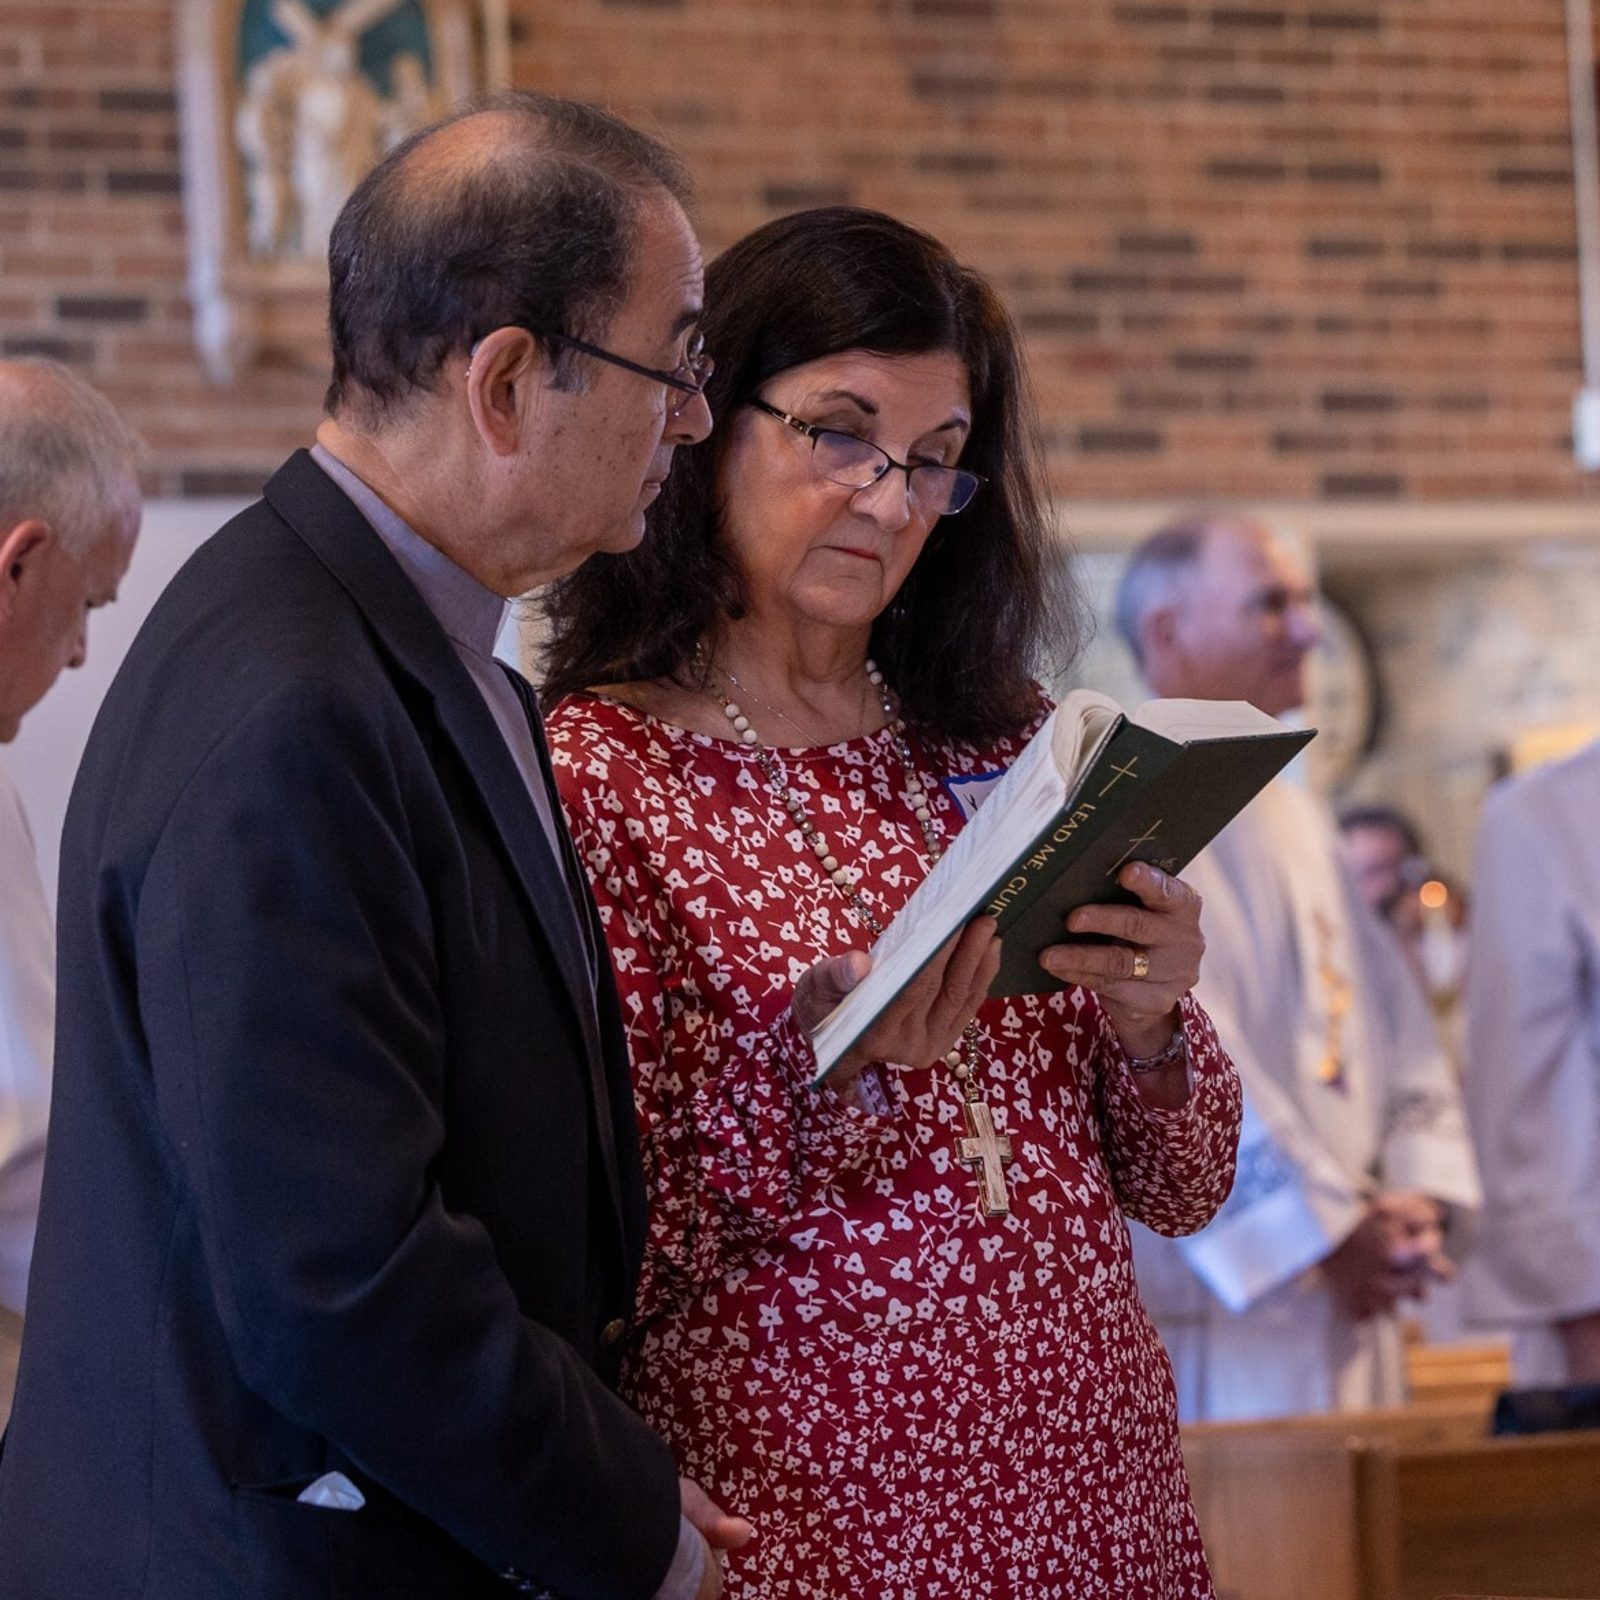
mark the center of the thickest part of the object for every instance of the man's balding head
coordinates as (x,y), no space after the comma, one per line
(69,515)
(1216,608)
(521,212)
(66,457)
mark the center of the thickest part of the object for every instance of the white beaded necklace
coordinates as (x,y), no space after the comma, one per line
(983,1149)
(789,798)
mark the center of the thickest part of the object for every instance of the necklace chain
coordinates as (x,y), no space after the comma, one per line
(806,735)
(964,1059)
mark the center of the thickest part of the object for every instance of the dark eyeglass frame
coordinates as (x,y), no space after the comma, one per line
(689,380)
(812,429)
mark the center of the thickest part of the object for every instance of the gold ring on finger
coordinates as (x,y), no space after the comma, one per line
(1141,964)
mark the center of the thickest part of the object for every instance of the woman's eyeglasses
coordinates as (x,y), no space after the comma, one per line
(856,463)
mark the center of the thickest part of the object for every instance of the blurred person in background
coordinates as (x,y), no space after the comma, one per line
(1385,854)
(69,516)
(1532,1080)
(1426,909)
(1354,1160)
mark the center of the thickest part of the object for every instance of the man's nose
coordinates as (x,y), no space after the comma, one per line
(1305,625)
(692,423)
(887,501)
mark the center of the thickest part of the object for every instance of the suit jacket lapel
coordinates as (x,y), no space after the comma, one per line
(323,516)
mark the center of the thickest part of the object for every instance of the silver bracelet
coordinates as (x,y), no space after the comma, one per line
(1177,1049)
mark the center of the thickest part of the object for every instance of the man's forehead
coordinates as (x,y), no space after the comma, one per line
(1249,555)
(671,271)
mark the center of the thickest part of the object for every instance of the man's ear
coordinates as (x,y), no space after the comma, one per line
(1158,632)
(504,375)
(21,545)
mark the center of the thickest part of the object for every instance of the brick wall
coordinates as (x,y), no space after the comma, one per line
(1284,248)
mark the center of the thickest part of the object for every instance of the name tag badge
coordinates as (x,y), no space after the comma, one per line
(970,790)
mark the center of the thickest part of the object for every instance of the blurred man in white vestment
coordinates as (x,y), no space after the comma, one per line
(1533,1068)
(1354,1162)
(69,515)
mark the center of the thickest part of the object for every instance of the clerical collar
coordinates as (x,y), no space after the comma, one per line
(470,614)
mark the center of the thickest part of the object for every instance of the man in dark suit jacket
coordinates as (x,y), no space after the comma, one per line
(342,1207)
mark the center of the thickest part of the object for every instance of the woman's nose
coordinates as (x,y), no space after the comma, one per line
(887,501)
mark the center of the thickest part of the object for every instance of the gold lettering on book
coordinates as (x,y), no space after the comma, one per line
(1074,822)
(1013,888)
(1036,862)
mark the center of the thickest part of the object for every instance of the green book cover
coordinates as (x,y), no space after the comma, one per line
(1145,798)
(1093,790)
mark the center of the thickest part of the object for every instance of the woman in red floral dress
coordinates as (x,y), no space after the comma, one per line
(911,1393)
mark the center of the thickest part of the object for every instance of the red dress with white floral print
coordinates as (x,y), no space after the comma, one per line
(909,1401)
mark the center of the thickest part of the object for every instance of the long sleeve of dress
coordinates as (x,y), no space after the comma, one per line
(1172,1168)
(736,1142)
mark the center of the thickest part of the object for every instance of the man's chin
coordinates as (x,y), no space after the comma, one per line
(1282,703)
(631,536)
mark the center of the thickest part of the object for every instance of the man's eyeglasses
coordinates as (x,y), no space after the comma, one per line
(687,380)
(856,463)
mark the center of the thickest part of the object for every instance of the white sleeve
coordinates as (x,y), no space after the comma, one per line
(1292,1202)
(27,1025)
(1532,1083)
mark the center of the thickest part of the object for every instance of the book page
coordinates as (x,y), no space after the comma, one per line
(1081,722)
(1183,720)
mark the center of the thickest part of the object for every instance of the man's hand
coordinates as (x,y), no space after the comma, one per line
(1580,1339)
(1416,1238)
(1395,1251)
(719,1530)
(926,1018)
(1360,1273)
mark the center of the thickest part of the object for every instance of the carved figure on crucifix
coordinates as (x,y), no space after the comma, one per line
(338,114)
(264,128)
(310,125)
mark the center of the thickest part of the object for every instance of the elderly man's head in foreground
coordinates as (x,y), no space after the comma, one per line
(69,516)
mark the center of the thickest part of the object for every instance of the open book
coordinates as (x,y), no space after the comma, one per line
(1095,789)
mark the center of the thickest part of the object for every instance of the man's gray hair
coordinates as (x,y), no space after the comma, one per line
(1158,571)
(65,454)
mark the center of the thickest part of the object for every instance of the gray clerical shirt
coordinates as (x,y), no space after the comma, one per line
(471,617)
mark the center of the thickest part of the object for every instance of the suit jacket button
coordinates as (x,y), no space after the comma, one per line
(612,1332)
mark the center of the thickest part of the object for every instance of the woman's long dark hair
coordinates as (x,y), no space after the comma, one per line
(985,602)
